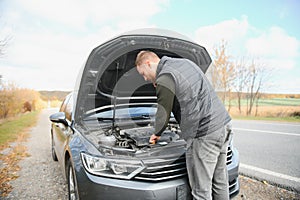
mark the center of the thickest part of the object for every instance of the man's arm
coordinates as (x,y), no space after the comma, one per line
(165,91)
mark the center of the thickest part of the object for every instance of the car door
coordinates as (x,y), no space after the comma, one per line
(61,131)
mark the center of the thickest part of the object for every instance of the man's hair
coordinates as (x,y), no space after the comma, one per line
(144,55)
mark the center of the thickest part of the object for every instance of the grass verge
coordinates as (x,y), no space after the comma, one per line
(10,129)
(13,133)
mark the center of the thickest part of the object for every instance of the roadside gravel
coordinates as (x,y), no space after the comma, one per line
(41,178)
(252,190)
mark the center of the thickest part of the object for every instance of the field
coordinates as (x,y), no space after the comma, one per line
(271,102)
(278,108)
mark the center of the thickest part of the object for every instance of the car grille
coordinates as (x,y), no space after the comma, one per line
(164,169)
(229,155)
(233,185)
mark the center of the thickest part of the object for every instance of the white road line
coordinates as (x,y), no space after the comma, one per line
(280,124)
(268,172)
(274,132)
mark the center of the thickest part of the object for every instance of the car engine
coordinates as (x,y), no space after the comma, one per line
(136,138)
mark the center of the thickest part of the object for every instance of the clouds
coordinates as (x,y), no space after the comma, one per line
(81,14)
(233,31)
(52,39)
(274,46)
(273,42)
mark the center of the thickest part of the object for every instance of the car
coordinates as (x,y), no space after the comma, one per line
(100,136)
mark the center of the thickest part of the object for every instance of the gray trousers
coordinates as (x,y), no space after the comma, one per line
(206,165)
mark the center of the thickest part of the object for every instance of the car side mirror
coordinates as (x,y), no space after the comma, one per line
(59,117)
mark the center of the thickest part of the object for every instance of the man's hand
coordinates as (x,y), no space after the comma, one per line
(153,139)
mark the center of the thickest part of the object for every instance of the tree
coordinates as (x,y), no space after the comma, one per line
(4,38)
(242,80)
(246,77)
(224,73)
(3,44)
(258,74)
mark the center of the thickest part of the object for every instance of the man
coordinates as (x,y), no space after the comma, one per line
(182,87)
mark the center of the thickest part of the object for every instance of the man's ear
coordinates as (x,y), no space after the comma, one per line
(148,63)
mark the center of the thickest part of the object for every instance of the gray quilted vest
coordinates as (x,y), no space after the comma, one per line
(202,112)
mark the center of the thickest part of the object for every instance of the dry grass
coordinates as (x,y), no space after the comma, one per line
(267,111)
(9,162)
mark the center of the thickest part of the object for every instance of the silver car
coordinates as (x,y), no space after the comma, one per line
(100,135)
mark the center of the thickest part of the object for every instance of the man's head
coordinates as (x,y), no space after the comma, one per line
(146,63)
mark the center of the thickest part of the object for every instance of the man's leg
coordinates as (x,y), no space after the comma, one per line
(201,159)
(220,189)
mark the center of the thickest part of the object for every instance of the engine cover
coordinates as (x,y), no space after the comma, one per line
(141,136)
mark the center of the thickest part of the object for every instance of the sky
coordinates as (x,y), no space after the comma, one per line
(49,40)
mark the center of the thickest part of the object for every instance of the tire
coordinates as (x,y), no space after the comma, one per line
(72,185)
(54,157)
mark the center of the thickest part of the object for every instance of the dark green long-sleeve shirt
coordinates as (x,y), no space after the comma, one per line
(165,91)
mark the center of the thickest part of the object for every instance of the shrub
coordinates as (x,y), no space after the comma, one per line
(296,114)
(14,100)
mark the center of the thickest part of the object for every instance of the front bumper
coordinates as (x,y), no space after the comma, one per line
(95,187)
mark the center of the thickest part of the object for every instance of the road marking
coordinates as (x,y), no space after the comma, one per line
(275,132)
(268,172)
(281,124)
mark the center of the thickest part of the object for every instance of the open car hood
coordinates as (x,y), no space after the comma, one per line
(109,76)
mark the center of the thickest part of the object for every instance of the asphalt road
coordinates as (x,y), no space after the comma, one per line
(269,151)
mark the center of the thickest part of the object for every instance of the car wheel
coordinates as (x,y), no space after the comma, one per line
(72,186)
(54,157)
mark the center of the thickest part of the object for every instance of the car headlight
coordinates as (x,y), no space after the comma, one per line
(109,167)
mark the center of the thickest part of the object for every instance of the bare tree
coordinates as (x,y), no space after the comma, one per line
(242,80)
(224,73)
(4,39)
(258,74)
(246,78)
(3,44)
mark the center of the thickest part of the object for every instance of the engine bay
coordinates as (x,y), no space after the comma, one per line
(134,138)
